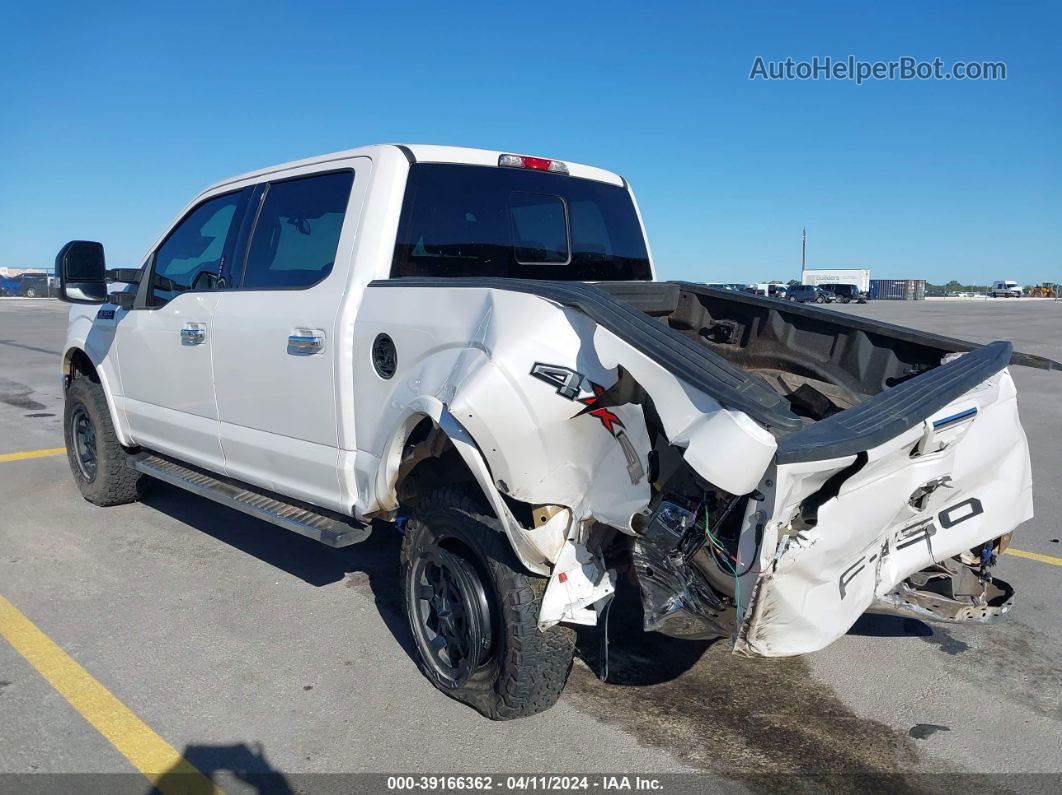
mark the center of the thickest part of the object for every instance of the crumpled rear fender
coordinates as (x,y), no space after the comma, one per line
(533,549)
(522,383)
(541,445)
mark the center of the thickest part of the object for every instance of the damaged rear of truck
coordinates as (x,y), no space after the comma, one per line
(765,471)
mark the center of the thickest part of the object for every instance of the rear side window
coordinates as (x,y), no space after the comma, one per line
(191,257)
(297,231)
(460,220)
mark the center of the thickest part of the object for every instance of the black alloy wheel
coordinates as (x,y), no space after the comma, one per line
(85,444)
(452,618)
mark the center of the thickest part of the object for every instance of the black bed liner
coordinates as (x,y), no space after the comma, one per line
(893,411)
(949,344)
(626,309)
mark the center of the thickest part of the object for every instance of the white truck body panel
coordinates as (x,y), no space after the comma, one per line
(172,408)
(288,443)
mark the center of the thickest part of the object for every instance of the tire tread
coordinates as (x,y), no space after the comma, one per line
(116,482)
(536,663)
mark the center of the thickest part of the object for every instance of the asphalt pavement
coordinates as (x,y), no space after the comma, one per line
(250,649)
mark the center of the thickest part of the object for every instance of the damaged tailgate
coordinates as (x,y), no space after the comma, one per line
(924,472)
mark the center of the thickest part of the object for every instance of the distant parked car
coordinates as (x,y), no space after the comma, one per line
(33,285)
(776,290)
(10,285)
(845,293)
(808,293)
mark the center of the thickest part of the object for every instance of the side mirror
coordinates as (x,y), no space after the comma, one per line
(82,272)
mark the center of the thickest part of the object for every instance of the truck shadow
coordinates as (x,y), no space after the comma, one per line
(240,761)
(370,567)
(873,625)
(636,658)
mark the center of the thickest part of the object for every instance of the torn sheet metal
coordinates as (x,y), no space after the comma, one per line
(695,421)
(579,581)
(949,592)
(525,392)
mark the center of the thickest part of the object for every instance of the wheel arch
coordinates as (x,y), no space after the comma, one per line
(77,363)
(430,438)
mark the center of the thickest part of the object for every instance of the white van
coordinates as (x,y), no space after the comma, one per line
(1004,289)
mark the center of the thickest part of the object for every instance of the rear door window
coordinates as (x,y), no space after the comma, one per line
(296,235)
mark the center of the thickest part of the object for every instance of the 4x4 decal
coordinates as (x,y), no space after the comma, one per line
(569,384)
(608,419)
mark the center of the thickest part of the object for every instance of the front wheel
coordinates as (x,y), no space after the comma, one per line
(98,461)
(819,299)
(473,611)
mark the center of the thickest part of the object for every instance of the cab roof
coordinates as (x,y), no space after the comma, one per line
(423,153)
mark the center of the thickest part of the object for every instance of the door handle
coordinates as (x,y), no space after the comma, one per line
(193,335)
(305,344)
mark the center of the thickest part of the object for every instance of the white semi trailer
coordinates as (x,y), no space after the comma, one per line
(860,277)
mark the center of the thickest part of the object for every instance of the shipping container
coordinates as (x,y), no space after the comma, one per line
(897,289)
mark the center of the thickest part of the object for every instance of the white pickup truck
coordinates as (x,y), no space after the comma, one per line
(471,345)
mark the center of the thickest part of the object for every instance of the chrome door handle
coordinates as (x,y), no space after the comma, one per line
(193,335)
(305,345)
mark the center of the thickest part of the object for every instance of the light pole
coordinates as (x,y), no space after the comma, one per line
(803,254)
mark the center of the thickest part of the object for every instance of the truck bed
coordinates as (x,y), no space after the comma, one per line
(825,384)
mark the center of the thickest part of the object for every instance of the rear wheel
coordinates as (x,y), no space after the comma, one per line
(100,464)
(473,611)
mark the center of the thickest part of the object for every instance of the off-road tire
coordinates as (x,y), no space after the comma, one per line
(528,668)
(115,482)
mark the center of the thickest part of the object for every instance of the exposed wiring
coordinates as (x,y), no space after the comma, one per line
(716,545)
(732,560)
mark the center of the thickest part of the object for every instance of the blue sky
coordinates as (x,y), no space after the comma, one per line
(113,117)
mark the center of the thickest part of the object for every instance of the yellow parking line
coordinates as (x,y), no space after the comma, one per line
(4,457)
(1021,553)
(166,769)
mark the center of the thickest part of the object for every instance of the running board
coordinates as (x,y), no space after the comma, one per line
(328,527)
